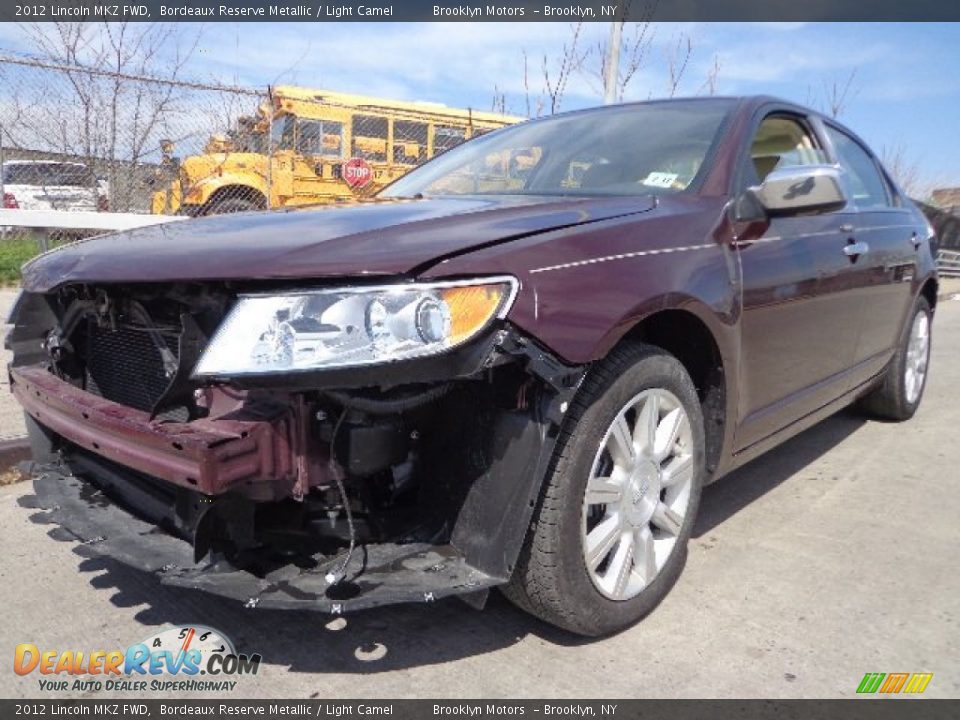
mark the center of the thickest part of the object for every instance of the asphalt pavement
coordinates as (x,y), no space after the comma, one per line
(831,556)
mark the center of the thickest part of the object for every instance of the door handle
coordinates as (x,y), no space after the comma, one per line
(856,249)
(847,228)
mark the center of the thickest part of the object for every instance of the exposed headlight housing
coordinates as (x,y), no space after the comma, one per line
(344,327)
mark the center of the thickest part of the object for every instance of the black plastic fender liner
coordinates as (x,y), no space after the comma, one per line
(31,318)
(380,574)
(496,513)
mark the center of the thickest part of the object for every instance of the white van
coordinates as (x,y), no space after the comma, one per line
(51,185)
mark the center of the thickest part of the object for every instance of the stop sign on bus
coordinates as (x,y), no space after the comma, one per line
(357,172)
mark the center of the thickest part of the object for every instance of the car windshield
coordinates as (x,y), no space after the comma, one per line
(629,150)
(43,174)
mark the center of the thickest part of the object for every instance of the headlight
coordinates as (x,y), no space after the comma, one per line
(320,329)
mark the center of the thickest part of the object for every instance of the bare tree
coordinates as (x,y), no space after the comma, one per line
(907,172)
(499,102)
(636,54)
(709,86)
(634,51)
(555,76)
(592,64)
(534,104)
(834,95)
(678,59)
(106,113)
(561,68)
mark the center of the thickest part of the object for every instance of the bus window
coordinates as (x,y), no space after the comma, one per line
(319,138)
(281,133)
(370,137)
(409,142)
(446,137)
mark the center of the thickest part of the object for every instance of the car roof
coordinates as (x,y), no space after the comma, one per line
(742,103)
(739,104)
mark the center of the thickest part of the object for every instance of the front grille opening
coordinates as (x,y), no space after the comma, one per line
(124,365)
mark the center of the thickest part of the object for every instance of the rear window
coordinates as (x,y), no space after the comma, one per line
(863,178)
(48,174)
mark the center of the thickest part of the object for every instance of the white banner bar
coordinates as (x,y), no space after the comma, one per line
(57,219)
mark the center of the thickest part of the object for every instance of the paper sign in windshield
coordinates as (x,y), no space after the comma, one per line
(660,179)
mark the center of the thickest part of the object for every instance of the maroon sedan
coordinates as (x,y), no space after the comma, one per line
(516,367)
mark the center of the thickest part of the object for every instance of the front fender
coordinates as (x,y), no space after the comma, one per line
(200,192)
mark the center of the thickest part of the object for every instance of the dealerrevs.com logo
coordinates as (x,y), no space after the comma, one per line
(192,658)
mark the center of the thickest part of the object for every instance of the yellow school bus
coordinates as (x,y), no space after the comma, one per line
(308,146)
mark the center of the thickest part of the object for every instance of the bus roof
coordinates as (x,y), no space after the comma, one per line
(307,95)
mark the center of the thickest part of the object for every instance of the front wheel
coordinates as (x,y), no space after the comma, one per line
(898,395)
(618,508)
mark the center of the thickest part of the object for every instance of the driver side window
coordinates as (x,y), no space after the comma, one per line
(782,141)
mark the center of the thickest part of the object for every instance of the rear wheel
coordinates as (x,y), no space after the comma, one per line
(616,513)
(899,394)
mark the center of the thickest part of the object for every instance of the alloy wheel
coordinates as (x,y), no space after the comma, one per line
(638,494)
(918,356)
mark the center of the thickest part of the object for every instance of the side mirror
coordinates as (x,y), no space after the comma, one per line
(801,189)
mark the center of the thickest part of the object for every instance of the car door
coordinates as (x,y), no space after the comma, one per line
(799,318)
(888,238)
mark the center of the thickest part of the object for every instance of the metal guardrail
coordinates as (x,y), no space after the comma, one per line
(57,219)
(48,223)
(948,263)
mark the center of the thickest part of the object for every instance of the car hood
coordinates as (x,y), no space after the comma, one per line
(378,238)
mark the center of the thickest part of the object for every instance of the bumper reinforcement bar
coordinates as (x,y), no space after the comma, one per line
(209,456)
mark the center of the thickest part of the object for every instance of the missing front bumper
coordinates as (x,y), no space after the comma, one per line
(378,574)
(481,455)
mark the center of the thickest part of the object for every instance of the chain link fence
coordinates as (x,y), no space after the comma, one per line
(91,139)
(82,139)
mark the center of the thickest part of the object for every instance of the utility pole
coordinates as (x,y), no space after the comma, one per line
(612,65)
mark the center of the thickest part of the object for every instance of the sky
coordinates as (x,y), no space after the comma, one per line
(905,91)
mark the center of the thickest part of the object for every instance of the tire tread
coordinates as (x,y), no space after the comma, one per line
(534,586)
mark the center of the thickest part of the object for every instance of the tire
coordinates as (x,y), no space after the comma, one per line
(232,205)
(898,396)
(552,579)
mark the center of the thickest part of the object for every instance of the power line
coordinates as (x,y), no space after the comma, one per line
(28,61)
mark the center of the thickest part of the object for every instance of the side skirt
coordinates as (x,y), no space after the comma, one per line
(807,421)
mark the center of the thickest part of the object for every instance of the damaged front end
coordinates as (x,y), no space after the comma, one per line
(335,488)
